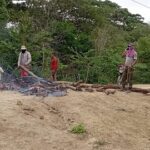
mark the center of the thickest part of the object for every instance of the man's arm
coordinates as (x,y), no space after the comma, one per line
(1,70)
(19,59)
(29,59)
(135,60)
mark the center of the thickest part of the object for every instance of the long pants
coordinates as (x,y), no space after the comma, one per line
(127,77)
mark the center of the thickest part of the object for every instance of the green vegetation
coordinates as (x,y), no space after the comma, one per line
(87,35)
(78,129)
(99,143)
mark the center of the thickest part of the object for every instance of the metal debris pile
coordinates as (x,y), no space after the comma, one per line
(32,86)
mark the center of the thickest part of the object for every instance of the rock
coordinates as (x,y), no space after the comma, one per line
(92,140)
(96,86)
(19,103)
(26,113)
(27,108)
(89,90)
(42,117)
(110,91)
(4,119)
(100,89)
(79,89)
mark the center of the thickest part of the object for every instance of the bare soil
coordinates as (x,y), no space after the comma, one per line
(113,122)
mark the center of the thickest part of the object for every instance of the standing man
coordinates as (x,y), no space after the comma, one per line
(54,67)
(24,60)
(130,55)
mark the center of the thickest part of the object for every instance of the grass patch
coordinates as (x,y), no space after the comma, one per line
(78,129)
(99,144)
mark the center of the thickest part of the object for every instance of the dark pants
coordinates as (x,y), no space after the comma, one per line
(127,77)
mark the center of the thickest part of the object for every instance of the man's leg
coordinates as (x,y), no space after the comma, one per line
(130,78)
(124,77)
(53,75)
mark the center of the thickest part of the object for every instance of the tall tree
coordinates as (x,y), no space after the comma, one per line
(3,16)
(3,12)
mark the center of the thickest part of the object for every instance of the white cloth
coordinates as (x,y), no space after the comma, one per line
(129,60)
(121,69)
(24,58)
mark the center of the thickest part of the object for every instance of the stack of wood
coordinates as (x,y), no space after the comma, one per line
(34,85)
(108,89)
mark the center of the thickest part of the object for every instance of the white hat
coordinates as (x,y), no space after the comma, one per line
(23,47)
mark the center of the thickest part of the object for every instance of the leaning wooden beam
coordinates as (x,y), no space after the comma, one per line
(110,86)
(75,84)
(30,72)
(70,87)
(139,90)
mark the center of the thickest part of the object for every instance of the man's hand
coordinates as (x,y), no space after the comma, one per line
(26,64)
(131,67)
(1,70)
(18,66)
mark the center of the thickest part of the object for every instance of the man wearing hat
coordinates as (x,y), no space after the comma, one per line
(24,60)
(130,55)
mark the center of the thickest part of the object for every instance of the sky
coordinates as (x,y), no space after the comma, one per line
(141,7)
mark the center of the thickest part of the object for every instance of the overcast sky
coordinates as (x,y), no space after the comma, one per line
(141,7)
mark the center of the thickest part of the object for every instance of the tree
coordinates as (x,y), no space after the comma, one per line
(87,35)
(3,18)
(3,12)
(128,21)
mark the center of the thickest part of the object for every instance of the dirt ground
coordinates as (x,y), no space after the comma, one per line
(113,122)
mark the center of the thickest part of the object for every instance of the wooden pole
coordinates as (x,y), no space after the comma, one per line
(30,72)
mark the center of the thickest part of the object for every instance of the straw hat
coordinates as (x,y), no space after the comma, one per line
(23,47)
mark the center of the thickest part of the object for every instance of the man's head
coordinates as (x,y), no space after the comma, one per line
(53,54)
(23,49)
(130,46)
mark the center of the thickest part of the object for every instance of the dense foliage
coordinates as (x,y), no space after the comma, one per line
(87,35)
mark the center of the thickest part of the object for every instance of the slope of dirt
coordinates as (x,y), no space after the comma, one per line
(113,122)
